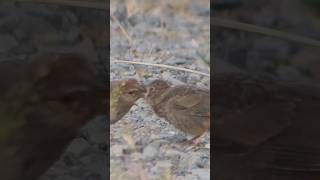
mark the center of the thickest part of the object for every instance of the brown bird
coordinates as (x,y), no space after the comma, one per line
(43,104)
(265,129)
(187,108)
(123,95)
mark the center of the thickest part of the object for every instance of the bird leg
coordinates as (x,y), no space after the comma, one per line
(195,141)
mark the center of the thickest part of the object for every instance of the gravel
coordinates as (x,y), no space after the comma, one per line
(164,35)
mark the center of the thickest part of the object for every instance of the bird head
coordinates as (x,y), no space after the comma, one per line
(156,88)
(131,90)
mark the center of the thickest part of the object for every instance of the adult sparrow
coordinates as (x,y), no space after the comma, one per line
(123,95)
(265,128)
(43,104)
(186,107)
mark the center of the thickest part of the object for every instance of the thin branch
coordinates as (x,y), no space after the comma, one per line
(162,66)
(74,3)
(263,30)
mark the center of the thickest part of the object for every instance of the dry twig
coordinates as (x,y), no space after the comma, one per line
(162,66)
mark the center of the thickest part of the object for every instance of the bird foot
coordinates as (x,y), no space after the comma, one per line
(190,145)
(186,143)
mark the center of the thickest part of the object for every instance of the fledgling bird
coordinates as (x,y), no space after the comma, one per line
(265,128)
(123,95)
(43,104)
(186,107)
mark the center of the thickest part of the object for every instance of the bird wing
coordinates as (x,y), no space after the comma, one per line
(193,102)
(189,110)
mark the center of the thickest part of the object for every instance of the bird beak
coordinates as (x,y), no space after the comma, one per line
(143,90)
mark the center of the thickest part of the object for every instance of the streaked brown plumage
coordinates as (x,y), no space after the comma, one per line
(185,107)
(123,95)
(265,129)
(42,107)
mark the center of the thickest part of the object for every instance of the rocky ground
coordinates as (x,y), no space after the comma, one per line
(175,33)
(26,29)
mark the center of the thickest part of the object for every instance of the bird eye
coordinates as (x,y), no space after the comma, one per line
(131,92)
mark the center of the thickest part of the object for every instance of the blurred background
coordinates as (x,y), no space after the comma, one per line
(27,28)
(246,51)
(175,33)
